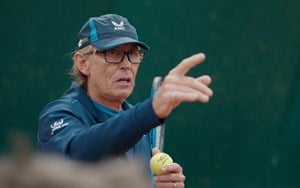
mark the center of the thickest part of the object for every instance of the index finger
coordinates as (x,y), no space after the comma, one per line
(185,65)
(171,168)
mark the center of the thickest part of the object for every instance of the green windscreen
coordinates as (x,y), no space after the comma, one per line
(246,136)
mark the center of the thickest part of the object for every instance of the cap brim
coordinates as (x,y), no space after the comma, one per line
(106,44)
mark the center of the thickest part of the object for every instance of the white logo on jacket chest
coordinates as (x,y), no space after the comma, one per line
(58,125)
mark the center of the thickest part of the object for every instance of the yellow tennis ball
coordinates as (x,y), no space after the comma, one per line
(158,161)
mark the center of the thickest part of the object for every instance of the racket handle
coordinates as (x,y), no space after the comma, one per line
(157,134)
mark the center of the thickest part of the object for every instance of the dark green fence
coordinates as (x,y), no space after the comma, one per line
(247,136)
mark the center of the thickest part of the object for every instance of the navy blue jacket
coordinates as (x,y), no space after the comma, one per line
(74,127)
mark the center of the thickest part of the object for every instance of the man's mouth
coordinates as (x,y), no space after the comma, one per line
(124,80)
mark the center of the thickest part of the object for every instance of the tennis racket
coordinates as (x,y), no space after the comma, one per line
(157,134)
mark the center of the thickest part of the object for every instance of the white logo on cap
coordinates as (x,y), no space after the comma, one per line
(119,26)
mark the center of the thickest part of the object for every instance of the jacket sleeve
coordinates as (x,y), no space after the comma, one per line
(65,131)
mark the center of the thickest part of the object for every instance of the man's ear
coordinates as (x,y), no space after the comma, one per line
(81,63)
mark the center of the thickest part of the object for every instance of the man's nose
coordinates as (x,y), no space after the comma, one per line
(126,61)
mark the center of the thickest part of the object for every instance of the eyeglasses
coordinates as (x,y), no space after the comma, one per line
(117,56)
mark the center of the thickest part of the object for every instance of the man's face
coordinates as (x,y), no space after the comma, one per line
(111,82)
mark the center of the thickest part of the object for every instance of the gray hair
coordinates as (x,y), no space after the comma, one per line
(78,77)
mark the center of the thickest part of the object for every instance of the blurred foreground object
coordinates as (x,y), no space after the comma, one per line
(49,171)
(55,172)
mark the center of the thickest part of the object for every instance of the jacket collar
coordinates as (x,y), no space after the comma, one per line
(78,93)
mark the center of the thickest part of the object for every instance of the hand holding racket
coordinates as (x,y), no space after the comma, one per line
(167,95)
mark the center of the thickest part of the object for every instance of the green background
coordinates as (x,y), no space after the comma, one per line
(246,136)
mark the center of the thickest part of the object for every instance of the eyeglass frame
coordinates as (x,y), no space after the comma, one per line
(96,51)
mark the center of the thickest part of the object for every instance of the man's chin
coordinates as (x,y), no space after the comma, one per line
(124,94)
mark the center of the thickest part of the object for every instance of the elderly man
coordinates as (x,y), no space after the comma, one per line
(93,120)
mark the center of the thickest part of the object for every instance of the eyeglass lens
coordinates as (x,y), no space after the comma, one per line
(116,56)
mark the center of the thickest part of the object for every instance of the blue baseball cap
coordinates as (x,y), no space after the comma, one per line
(108,31)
